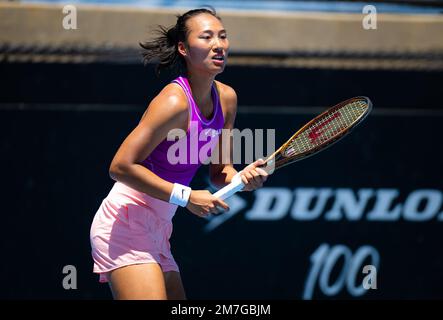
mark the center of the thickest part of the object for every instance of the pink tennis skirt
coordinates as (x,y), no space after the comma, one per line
(131,227)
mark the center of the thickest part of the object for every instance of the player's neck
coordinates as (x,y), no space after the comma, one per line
(201,89)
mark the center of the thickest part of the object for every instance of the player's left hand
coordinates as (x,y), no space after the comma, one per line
(253,177)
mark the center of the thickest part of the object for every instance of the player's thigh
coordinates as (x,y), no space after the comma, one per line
(174,286)
(138,282)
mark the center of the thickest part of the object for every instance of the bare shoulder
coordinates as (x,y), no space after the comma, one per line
(226,92)
(228,97)
(171,101)
(172,96)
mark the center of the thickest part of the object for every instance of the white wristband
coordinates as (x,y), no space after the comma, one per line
(180,195)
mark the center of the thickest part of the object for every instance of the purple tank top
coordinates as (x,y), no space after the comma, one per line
(178,161)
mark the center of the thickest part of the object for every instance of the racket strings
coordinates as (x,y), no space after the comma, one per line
(326,128)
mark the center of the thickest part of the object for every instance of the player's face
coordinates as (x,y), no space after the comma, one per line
(207,44)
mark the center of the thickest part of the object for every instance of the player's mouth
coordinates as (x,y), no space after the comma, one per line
(218,59)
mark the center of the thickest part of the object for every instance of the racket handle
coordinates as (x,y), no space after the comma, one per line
(230,189)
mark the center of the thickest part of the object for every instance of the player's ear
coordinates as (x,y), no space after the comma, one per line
(181,47)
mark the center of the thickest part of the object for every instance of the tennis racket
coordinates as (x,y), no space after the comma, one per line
(314,137)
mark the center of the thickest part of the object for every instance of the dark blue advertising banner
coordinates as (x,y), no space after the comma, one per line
(360,220)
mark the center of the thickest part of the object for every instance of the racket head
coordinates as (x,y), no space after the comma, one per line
(321,132)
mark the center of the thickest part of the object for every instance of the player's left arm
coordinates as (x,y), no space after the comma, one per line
(222,171)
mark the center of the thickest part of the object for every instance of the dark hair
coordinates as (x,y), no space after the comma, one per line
(162,50)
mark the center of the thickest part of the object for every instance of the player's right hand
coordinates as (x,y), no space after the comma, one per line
(202,203)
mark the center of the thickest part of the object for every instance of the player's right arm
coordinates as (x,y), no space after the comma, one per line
(167,111)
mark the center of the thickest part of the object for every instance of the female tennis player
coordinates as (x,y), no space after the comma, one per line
(131,230)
